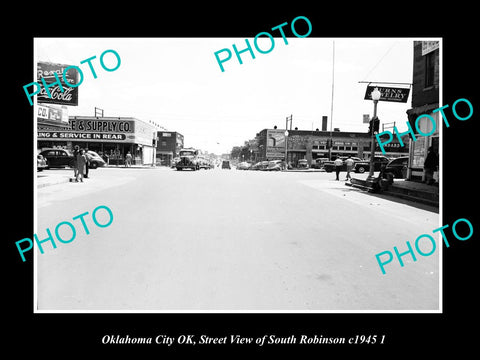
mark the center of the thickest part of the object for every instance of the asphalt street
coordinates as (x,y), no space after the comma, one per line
(230,240)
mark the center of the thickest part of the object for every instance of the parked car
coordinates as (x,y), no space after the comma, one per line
(94,159)
(276,165)
(58,158)
(302,164)
(318,163)
(329,166)
(256,166)
(174,162)
(378,162)
(204,163)
(226,164)
(243,166)
(264,165)
(41,162)
(397,167)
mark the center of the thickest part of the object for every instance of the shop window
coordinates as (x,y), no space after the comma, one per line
(429,69)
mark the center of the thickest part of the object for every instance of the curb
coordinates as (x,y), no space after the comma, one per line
(49,183)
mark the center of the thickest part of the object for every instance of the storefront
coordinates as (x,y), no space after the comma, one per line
(311,145)
(419,148)
(111,137)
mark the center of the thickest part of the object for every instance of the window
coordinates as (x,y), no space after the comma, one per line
(429,69)
(164,143)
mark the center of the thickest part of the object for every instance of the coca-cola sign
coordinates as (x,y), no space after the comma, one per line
(47,71)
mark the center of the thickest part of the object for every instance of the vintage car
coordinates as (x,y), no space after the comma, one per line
(204,163)
(58,158)
(378,162)
(397,167)
(188,159)
(302,164)
(226,164)
(243,166)
(276,165)
(94,160)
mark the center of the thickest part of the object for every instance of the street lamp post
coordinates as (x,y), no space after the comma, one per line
(375,97)
(288,119)
(286,142)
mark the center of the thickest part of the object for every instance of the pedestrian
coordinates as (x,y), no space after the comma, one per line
(81,162)
(87,165)
(349,162)
(430,165)
(128,159)
(338,165)
(75,166)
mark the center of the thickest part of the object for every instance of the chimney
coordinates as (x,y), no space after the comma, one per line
(324,123)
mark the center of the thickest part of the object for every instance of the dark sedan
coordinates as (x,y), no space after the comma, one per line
(58,158)
(397,167)
(378,162)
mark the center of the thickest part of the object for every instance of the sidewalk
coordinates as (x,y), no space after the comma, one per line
(405,189)
(59,176)
(134,167)
(415,191)
(53,177)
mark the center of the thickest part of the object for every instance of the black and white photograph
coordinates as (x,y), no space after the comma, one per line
(238,186)
(263,182)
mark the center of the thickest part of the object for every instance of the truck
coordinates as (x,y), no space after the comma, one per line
(188,159)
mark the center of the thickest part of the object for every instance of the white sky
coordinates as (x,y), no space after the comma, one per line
(177,83)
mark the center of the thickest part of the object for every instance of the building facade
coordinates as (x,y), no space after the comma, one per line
(425,99)
(311,145)
(168,147)
(110,137)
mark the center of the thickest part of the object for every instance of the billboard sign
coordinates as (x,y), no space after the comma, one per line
(47,71)
(275,144)
(52,114)
(392,94)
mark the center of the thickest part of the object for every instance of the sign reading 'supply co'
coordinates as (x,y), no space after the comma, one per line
(103,130)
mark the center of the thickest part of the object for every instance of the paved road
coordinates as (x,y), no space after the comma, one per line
(230,240)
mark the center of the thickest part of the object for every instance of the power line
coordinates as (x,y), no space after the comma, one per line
(381,59)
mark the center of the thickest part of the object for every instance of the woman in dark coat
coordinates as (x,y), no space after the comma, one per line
(75,167)
(81,162)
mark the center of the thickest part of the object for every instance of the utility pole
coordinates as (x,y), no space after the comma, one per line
(331,109)
(286,137)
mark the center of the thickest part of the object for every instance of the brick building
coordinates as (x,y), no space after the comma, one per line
(425,99)
(311,145)
(169,144)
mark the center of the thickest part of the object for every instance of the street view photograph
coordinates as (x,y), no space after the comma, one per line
(277,173)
